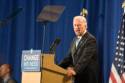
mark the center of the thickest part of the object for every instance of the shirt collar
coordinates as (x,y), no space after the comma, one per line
(6,79)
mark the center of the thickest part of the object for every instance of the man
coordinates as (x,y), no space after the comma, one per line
(5,74)
(81,62)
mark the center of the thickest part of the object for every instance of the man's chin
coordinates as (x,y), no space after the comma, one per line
(77,34)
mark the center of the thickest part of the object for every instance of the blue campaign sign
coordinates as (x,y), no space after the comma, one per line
(30,60)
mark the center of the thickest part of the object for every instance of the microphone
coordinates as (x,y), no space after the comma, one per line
(11,16)
(54,45)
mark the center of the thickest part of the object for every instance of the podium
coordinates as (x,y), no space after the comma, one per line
(50,72)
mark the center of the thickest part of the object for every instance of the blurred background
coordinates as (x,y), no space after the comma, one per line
(23,32)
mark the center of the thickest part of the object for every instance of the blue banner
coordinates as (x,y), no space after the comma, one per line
(30,60)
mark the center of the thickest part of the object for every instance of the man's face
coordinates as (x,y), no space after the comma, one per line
(79,25)
(3,70)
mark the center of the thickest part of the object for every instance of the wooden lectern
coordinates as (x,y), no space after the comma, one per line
(50,72)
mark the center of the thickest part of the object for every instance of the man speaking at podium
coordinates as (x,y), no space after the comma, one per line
(81,62)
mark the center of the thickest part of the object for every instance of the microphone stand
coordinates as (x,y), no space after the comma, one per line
(43,43)
(44,35)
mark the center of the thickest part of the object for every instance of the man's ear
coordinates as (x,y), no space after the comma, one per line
(86,26)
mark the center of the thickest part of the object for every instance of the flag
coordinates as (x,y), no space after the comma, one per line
(117,74)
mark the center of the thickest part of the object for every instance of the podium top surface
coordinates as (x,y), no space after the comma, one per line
(50,13)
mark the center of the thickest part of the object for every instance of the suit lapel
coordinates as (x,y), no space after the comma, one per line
(73,48)
(81,43)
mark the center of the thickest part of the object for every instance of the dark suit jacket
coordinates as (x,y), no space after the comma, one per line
(0,80)
(10,80)
(83,59)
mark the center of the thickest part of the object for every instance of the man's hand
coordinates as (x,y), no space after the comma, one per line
(70,72)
